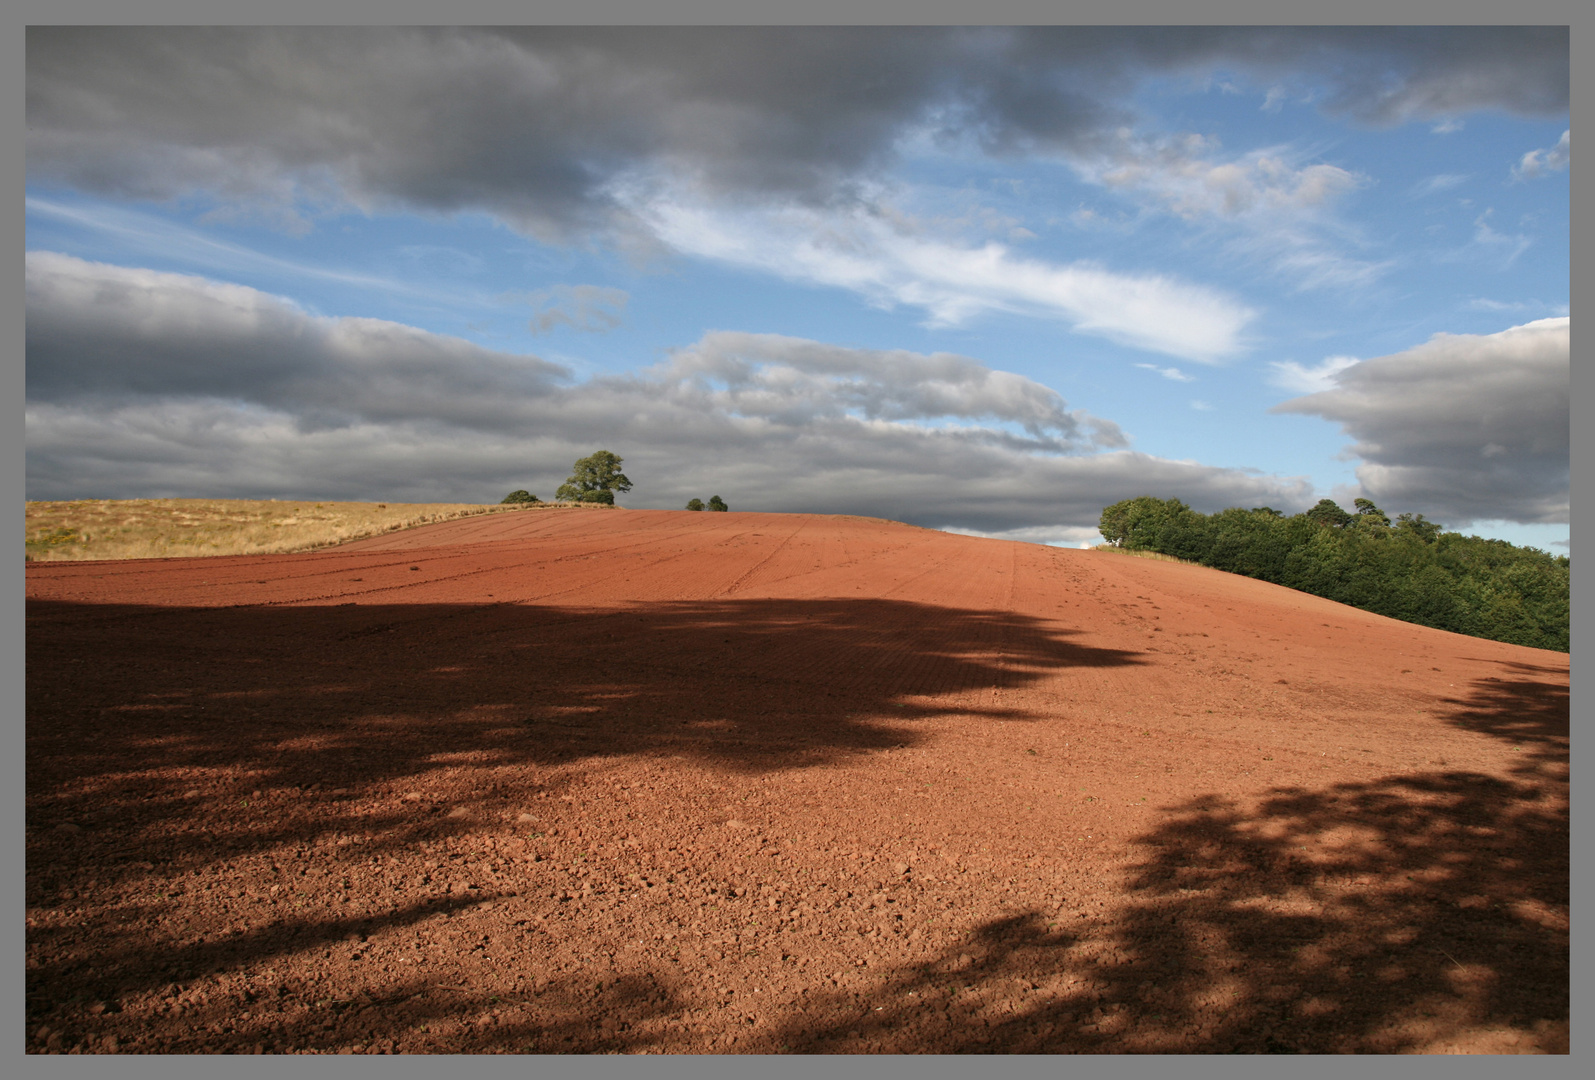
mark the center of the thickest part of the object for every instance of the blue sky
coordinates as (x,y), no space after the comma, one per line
(1075,270)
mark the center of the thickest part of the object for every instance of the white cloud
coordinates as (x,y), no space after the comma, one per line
(1289,375)
(1083,536)
(143,383)
(1182,176)
(1463,428)
(1172,373)
(1439,182)
(886,259)
(1521,307)
(1201,406)
(164,239)
(1279,209)
(1537,163)
(1508,245)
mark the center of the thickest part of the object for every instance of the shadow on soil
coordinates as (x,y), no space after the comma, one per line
(359,696)
(193,737)
(1364,917)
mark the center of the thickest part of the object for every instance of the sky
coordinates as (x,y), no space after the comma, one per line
(985,280)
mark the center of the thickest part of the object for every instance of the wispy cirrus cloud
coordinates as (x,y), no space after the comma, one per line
(591,309)
(881,256)
(1174,374)
(1278,209)
(1537,163)
(1431,185)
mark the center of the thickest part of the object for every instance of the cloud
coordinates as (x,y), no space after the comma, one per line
(98,332)
(1181,174)
(554,131)
(1508,245)
(1173,373)
(1289,375)
(1484,303)
(1083,536)
(143,383)
(154,235)
(1462,428)
(1439,182)
(1538,163)
(587,308)
(883,257)
(533,124)
(1279,207)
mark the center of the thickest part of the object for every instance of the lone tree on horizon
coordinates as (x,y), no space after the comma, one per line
(594,478)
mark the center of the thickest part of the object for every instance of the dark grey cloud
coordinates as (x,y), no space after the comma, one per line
(537,125)
(143,383)
(107,333)
(1463,428)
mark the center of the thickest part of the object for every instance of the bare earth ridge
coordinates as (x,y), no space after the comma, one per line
(697,782)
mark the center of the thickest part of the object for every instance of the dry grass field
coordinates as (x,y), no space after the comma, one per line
(167,528)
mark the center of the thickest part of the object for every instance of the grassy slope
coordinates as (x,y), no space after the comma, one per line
(166,528)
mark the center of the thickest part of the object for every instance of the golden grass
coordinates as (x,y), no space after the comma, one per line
(1146,554)
(183,528)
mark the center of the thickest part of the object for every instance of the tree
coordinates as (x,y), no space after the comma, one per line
(694,504)
(1419,526)
(594,478)
(717,503)
(522,496)
(1121,520)
(1369,512)
(1328,512)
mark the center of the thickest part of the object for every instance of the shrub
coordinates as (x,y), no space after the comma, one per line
(694,504)
(519,497)
(717,503)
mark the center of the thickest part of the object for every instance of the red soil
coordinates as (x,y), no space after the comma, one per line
(665,781)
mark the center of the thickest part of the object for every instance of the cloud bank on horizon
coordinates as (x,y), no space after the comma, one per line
(847,270)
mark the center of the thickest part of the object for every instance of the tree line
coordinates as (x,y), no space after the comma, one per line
(595,479)
(1408,569)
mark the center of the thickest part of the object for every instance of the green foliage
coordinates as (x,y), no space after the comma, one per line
(594,479)
(1369,512)
(1328,512)
(694,504)
(519,497)
(717,503)
(1410,570)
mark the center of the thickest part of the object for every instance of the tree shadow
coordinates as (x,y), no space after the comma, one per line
(1530,711)
(1424,912)
(1421,912)
(171,745)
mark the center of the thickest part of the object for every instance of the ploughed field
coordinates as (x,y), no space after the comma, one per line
(649,781)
